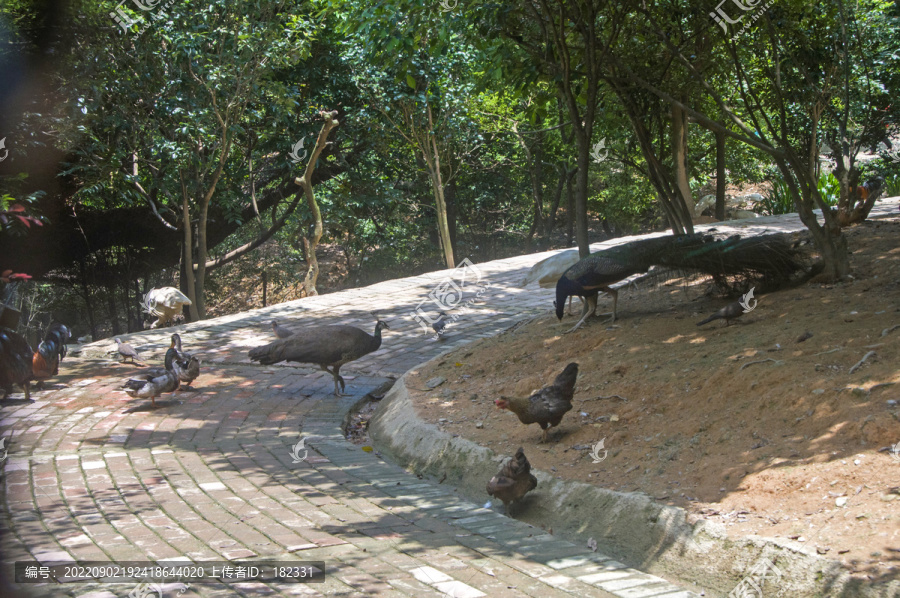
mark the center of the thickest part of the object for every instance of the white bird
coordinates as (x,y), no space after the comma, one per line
(165,304)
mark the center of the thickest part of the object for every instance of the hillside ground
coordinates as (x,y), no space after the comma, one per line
(759,425)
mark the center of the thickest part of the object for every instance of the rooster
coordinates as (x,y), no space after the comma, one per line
(513,481)
(52,350)
(15,362)
(547,406)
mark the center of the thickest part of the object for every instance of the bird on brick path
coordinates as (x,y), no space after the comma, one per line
(767,257)
(324,346)
(513,481)
(440,323)
(126,351)
(151,383)
(188,365)
(15,362)
(727,313)
(281,331)
(52,350)
(545,407)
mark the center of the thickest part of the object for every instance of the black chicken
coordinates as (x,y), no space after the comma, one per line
(15,362)
(770,258)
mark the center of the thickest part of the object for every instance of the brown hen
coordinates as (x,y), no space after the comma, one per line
(513,481)
(547,406)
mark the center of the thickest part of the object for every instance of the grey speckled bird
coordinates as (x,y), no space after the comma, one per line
(126,351)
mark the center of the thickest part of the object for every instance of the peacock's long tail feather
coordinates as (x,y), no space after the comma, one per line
(767,258)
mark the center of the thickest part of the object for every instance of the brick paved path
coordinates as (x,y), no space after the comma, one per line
(209,475)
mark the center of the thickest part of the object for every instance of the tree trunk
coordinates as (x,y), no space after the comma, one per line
(438,184)
(535,165)
(581,192)
(450,199)
(200,277)
(111,309)
(311,240)
(188,257)
(721,183)
(554,205)
(830,241)
(88,301)
(570,208)
(679,158)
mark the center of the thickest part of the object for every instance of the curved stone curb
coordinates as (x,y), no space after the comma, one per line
(631,527)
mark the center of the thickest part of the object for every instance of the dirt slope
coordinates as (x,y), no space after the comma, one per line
(744,424)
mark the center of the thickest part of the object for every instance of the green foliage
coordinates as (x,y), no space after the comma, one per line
(777,201)
(829,189)
(892,185)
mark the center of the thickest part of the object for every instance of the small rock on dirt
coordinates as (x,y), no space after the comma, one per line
(435,382)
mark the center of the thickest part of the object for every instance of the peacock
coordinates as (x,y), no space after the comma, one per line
(769,259)
(324,346)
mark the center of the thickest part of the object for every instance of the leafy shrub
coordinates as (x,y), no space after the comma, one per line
(778,200)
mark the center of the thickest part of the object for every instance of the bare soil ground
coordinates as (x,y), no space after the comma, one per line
(743,424)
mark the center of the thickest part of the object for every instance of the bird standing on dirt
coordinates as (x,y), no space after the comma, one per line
(51,351)
(547,406)
(126,351)
(728,313)
(587,278)
(151,383)
(280,331)
(770,258)
(513,481)
(324,346)
(15,362)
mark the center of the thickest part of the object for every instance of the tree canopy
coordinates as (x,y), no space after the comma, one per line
(161,141)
